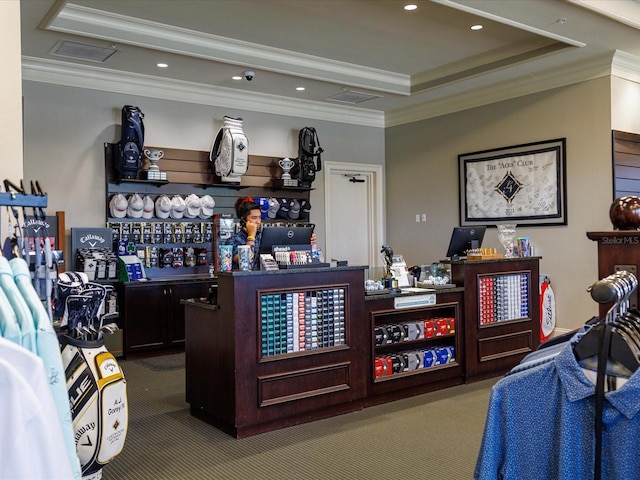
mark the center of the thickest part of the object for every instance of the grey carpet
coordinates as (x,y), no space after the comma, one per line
(431,436)
(163,362)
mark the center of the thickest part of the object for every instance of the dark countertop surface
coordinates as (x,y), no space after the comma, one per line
(285,271)
(174,278)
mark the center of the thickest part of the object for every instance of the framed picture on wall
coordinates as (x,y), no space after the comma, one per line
(522,184)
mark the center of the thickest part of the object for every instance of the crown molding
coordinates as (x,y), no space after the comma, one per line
(90,22)
(619,63)
(548,79)
(626,66)
(98,78)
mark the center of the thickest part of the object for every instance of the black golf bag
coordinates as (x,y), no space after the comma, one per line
(309,150)
(128,151)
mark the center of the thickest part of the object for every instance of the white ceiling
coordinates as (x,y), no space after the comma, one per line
(416,64)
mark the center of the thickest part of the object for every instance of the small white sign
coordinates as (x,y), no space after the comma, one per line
(412,301)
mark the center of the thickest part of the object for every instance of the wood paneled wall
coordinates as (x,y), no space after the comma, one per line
(626,164)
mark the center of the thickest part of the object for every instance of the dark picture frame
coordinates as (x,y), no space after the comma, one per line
(523,184)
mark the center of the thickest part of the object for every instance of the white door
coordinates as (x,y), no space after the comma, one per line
(354,212)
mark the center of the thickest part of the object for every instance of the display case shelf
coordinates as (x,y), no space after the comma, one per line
(293,321)
(496,342)
(399,346)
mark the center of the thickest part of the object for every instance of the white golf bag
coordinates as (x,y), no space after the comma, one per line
(98,400)
(230,152)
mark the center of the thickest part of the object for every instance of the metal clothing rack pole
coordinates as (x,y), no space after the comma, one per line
(616,288)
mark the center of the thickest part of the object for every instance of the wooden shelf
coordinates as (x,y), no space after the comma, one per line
(135,180)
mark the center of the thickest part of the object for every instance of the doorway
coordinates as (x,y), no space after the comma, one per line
(354,212)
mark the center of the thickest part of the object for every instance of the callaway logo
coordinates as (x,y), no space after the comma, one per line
(35,222)
(89,237)
(84,429)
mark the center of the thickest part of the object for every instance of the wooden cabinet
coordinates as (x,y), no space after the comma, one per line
(242,373)
(501,313)
(151,314)
(617,250)
(414,350)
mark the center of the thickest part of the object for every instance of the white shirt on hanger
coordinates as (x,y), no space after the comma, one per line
(30,433)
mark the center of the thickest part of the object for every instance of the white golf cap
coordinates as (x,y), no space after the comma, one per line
(206,206)
(136,206)
(178,206)
(163,206)
(118,206)
(274,206)
(193,206)
(147,211)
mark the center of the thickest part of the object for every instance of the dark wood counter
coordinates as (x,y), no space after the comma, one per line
(501,319)
(241,380)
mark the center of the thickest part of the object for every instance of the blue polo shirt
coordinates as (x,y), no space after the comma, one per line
(540,425)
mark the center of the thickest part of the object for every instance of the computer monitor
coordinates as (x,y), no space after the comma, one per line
(299,235)
(464,238)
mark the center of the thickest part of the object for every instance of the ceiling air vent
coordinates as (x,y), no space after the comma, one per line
(352,97)
(81,51)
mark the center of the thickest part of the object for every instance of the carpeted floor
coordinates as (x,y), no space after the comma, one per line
(431,436)
(163,362)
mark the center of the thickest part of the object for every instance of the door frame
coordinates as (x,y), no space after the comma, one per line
(375,199)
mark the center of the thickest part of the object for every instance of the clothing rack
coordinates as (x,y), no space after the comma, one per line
(616,288)
(23,200)
(11,199)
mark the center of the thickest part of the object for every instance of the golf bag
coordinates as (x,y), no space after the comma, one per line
(128,151)
(309,149)
(229,155)
(98,401)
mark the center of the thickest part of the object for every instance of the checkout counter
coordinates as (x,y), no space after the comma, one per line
(285,347)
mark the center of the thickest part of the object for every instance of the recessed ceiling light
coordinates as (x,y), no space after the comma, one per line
(300,89)
(236,77)
(476,27)
(162,65)
(410,7)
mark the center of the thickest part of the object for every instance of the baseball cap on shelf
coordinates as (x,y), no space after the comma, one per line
(178,206)
(193,204)
(305,208)
(294,209)
(206,206)
(118,206)
(136,206)
(163,206)
(147,211)
(264,206)
(284,206)
(274,206)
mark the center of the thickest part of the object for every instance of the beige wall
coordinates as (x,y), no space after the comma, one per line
(11,87)
(422,176)
(625,103)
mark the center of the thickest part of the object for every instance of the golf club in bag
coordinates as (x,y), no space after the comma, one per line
(95,383)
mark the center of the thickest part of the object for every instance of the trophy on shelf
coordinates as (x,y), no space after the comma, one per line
(286,164)
(154,172)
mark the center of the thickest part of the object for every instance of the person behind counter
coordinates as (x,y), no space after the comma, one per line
(250,232)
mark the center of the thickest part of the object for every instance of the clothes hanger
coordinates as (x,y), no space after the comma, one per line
(623,347)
